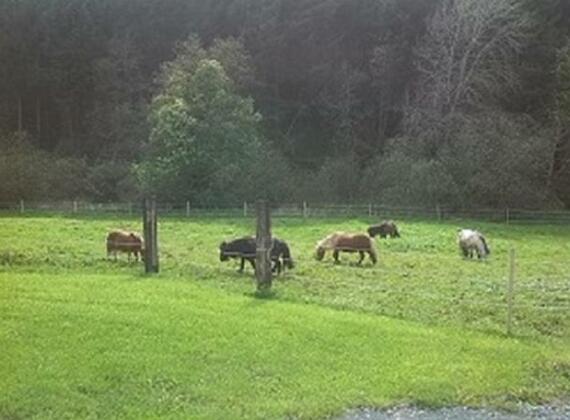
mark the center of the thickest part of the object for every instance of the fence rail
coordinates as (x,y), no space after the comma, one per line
(246,209)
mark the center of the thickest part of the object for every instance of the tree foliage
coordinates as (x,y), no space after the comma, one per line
(204,142)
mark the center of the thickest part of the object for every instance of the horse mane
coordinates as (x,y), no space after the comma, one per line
(328,242)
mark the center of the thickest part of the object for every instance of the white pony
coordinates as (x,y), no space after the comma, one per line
(471,242)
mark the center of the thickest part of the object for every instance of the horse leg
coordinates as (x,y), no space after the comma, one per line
(241,265)
(361,257)
(252,262)
(277,267)
(335,256)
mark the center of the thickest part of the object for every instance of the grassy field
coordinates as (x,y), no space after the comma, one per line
(82,336)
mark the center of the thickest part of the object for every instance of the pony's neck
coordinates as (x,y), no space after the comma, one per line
(327,243)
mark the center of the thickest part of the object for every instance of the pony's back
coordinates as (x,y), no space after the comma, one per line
(356,242)
(238,247)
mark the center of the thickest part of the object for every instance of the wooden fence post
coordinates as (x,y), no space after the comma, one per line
(130,208)
(245,209)
(369,210)
(510,291)
(438,212)
(74,206)
(150,236)
(263,246)
(22,209)
(187,208)
(305,209)
(507,216)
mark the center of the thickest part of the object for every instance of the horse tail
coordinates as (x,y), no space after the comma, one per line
(286,254)
(485,246)
(373,253)
(396,231)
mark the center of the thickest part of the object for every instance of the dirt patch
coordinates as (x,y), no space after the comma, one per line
(524,412)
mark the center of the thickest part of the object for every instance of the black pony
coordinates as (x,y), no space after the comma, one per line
(384,229)
(244,248)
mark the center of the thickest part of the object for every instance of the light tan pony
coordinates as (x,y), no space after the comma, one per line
(346,242)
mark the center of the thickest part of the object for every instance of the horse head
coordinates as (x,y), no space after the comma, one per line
(319,252)
(223,256)
(289,263)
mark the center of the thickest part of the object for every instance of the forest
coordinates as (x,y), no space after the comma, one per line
(399,102)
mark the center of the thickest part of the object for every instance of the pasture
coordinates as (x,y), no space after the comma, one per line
(87,336)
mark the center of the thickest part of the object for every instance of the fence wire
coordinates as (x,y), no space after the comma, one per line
(305,209)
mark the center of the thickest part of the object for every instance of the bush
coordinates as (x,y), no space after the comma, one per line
(399,179)
(500,161)
(32,174)
(112,181)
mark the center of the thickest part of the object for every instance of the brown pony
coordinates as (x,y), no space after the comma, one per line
(346,242)
(123,241)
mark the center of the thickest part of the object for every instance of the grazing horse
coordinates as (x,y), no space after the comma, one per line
(129,242)
(245,249)
(384,229)
(346,242)
(472,242)
(281,256)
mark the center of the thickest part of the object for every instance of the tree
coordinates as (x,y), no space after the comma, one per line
(204,139)
(467,59)
(115,125)
(559,177)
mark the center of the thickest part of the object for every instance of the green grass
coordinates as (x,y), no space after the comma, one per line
(85,337)
(419,277)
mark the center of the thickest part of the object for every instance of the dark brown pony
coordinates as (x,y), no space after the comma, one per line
(123,241)
(346,242)
(384,229)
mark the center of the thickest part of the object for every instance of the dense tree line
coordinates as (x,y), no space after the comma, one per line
(457,102)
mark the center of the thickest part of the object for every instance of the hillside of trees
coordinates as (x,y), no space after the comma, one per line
(402,102)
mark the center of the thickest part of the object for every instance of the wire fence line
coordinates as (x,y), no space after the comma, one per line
(304,209)
(478,294)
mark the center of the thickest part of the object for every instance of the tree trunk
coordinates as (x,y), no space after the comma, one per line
(38,119)
(20,125)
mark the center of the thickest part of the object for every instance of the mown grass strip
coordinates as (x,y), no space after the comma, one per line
(76,345)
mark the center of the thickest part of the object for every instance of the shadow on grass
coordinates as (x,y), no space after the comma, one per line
(265,294)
